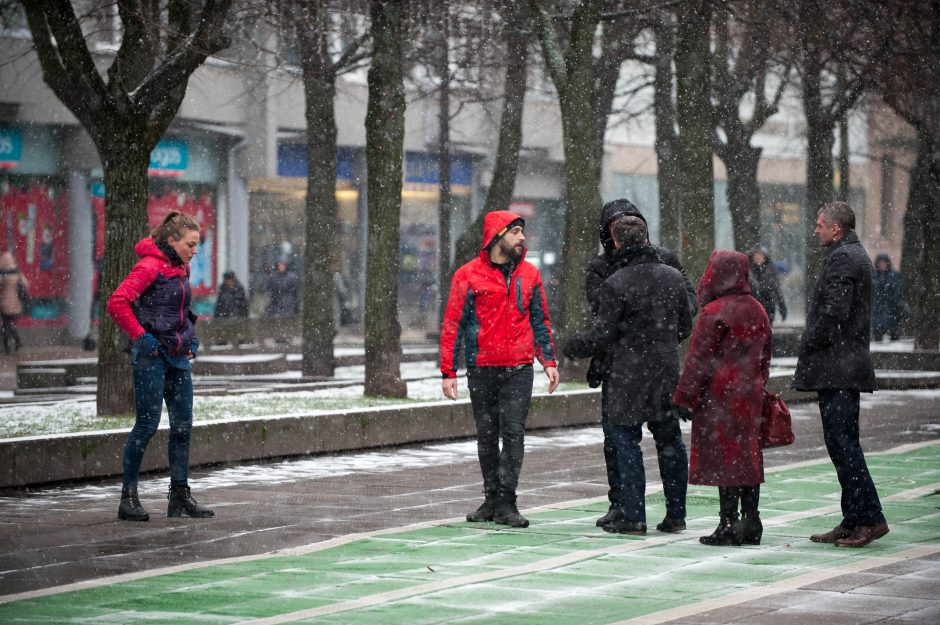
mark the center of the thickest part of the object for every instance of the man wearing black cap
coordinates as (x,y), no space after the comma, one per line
(497,314)
(231,301)
(598,270)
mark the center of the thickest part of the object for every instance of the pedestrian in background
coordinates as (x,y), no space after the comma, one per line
(284,289)
(889,307)
(13,293)
(152,307)
(497,314)
(835,361)
(642,315)
(598,270)
(765,284)
(722,387)
(231,301)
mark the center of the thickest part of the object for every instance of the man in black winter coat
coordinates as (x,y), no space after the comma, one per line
(598,270)
(642,314)
(834,360)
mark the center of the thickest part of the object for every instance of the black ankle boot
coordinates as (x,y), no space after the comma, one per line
(130,508)
(485,511)
(506,512)
(181,503)
(615,513)
(752,528)
(728,533)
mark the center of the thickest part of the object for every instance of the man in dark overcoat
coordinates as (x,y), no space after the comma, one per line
(598,270)
(642,314)
(834,360)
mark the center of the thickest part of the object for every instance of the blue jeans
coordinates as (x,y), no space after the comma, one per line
(673,467)
(155,382)
(500,398)
(839,410)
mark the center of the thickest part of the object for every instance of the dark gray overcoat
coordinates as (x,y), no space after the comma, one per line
(834,352)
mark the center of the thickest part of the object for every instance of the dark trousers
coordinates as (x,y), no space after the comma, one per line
(615,488)
(156,382)
(839,410)
(500,398)
(673,467)
(9,334)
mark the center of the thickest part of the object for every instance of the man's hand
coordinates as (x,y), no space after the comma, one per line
(553,378)
(449,387)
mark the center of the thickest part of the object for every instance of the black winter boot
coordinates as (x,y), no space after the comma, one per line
(181,503)
(729,529)
(130,508)
(506,512)
(752,529)
(614,514)
(485,511)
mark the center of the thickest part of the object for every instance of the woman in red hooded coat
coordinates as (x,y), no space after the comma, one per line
(722,384)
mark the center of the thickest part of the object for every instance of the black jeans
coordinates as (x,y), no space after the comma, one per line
(500,398)
(11,338)
(839,411)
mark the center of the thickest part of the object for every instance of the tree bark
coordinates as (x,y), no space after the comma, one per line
(385,131)
(741,161)
(445,200)
(125,116)
(921,253)
(694,146)
(573,73)
(666,160)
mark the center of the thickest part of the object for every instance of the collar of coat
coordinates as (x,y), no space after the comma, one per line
(849,238)
(632,254)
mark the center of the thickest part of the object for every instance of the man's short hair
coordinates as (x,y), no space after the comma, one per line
(839,213)
(629,230)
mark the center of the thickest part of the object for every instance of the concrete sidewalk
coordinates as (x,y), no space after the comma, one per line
(366,502)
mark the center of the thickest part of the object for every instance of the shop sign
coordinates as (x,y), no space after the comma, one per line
(169,159)
(11,148)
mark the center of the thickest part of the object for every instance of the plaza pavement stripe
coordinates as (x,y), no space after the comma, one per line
(350,538)
(690,611)
(634,545)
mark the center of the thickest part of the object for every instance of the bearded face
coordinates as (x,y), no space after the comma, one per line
(513,245)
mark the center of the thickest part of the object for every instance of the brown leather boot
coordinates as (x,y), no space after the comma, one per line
(832,535)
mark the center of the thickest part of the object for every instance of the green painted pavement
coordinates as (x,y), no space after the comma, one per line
(560,570)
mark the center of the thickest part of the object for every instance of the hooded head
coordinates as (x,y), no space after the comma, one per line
(883,258)
(727,273)
(611,211)
(496,224)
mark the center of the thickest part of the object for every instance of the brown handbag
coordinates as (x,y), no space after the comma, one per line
(776,428)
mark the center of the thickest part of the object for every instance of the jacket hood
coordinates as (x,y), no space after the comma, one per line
(148,247)
(727,273)
(609,212)
(883,257)
(494,223)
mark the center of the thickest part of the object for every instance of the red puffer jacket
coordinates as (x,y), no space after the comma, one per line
(160,291)
(497,322)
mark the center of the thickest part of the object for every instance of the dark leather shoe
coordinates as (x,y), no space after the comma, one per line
(863,534)
(623,526)
(614,514)
(836,533)
(671,526)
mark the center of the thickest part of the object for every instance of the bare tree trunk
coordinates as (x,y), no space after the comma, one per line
(499,195)
(921,253)
(741,161)
(320,211)
(445,201)
(696,128)
(125,181)
(385,132)
(666,159)
(844,162)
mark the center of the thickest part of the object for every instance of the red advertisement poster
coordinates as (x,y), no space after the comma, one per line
(35,229)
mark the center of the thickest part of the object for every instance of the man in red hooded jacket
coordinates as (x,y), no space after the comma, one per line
(497,313)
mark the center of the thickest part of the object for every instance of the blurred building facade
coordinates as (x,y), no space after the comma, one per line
(235,157)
